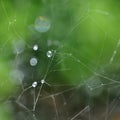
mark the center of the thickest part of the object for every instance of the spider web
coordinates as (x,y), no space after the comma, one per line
(94,97)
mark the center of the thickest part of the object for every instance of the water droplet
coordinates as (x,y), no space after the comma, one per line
(42,24)
(42,81)
(49,54)
(17,76)
(93,86)
(35,47)
(33,61)
(19,46)
(34,84)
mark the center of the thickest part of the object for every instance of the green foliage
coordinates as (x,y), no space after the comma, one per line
(87,33)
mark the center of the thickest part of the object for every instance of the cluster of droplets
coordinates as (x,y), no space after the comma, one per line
(35,83)
(42,24)
(34,62)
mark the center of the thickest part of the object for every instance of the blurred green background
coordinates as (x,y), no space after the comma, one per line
(85,34)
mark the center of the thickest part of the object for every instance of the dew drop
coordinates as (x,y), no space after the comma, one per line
(49,54)
(17,76)
(19,46)
(42,24)
(94,86)
(34,84)
(33,61)
(35,47)
(42,81)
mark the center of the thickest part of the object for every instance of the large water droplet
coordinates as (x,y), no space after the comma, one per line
(17,76)
(19,46)
(33,61)
(42,24)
